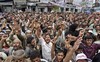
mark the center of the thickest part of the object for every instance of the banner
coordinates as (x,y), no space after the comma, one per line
(60,3)
(33,0)
(19,0)
(77,3)
(44,1)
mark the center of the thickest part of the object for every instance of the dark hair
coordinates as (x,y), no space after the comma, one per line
(98,36)
(60,50)
(88,37)
(34,54)
(96,58)
(72,30)
(73,27)
(29,39)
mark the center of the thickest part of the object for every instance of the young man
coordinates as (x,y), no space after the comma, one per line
(46,44)
(36,57)
(89,48)
(46,47)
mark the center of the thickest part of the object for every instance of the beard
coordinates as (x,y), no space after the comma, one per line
(16,48)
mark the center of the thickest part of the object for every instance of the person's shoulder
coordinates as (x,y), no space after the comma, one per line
(94,44)
(28,60)
(97,42)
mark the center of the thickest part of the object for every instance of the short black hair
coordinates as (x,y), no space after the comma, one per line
(60,50)
(29,39)
(34,54)
(90,37)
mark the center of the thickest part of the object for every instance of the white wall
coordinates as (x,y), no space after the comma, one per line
(19,0)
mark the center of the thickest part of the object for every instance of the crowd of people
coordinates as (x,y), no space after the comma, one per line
(49,37)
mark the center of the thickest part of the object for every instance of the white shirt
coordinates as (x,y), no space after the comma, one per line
(44,60)
(46,49)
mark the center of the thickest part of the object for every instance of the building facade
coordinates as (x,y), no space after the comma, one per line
(6,5)
(40,5)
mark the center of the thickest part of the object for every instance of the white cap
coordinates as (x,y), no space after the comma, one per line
(16,40)
(1,33)
(28,31)
(90,31)
(3,55)
(52,11)
(79,29)
(15,37)
(81,56)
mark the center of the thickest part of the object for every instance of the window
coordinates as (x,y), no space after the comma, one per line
(62,9)
(67,9)
(49,9)
(76,10)
(42,9)
(71,9)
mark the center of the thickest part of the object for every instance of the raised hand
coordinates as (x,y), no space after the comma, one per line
(4,37)
(81,33)
(77,43)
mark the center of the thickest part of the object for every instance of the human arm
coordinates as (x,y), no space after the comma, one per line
(54,44)
(3,39)
(71,50)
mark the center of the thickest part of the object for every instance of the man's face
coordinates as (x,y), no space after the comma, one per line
(47,38)
(89,42)
(29,34)
(97,27)
(33,42)
(82,60)
(17,31)
(16,45)
(36,60)
(60,56)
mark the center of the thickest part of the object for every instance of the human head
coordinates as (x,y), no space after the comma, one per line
(97,27)
(33,42)
(47,38)
(60,55)
(88,40)
(81,58)
(3,56)
(19,54)
(18,31)
(28,33)
(17,44)
(79,50)
(35,56)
